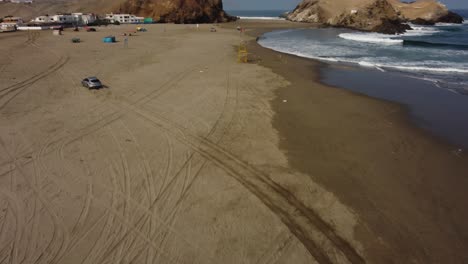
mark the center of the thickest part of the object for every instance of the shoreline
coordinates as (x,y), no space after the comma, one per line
(404,117)
(415,114)
(367,151)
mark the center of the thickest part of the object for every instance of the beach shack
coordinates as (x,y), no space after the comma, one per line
(10,24)
(7,28)
(124,18)
(109,39)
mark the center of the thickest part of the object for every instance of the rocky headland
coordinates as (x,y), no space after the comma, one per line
(178,11)
(384,16)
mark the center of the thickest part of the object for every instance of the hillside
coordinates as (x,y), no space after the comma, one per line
(39,7)
(178,11)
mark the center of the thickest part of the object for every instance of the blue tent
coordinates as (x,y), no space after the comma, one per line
(109,39)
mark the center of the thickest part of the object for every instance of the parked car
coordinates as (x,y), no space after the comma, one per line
(91,83)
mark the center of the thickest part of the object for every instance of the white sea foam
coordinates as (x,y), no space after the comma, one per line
(263,18)
(367,64)
(371,38)
(427,69)
(420,31)
(412,67)
(371,65)
(339,50)
(447,69)
(447,25)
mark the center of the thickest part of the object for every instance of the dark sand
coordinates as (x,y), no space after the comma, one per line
(439,111)
(407,188)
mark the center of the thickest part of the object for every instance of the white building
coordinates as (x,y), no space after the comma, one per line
(41,19)
(10,24)
(21,1)
(13,21)
(84,19)
(7,27)
(62,19)
(75,18)
(124,18)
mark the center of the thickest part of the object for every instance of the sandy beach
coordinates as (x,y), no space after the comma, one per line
(187,156)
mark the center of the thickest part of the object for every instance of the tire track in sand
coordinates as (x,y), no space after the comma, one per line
(131,227)
(58,224)
(301,220)
(14,90)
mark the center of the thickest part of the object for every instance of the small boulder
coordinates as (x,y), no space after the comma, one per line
(389,26)
(423,22)
(451,17)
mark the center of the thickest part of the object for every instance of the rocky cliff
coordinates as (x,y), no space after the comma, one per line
(384,16)
(177,11)
(425,11)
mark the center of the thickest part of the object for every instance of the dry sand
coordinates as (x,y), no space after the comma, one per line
(168,164)
(178,159)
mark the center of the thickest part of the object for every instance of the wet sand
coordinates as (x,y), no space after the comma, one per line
(439,111)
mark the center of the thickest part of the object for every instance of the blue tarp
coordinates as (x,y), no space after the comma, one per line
(109,39)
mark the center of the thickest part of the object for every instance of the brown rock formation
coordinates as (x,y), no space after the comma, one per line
(372,15)
(429,10)
(178,11)
(451,17)
(425,12)
(368,15)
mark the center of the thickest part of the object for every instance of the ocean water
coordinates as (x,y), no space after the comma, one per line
(425,69)
(257,14)
(438,54)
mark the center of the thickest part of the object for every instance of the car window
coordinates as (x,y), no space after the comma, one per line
(95,80)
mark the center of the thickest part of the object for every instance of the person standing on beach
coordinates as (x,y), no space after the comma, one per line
(126,42)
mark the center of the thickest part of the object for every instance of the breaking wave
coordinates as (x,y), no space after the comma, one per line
(371,38)
(417,31)
(412,68)
(262,18)
(449,24)
(438,52)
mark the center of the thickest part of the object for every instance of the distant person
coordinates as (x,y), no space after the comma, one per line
(126,42)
